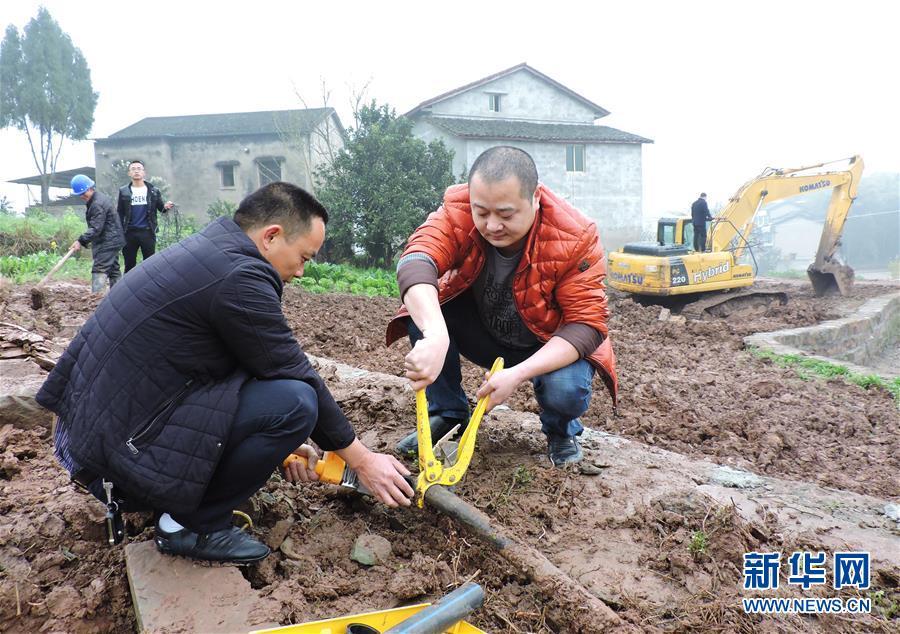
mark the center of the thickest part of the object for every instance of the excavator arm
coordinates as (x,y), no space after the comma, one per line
(731,228)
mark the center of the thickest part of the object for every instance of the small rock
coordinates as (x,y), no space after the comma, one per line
(664,314)
(9,465)
(278,533)
(287,567)
(98,586)
(735,478)
(892,511)
(370,549)
(52,526)
(63,601)
(592,469)
(407,584)
(287,549)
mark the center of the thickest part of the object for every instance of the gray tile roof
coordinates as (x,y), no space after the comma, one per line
(532,131)
(236,123)
(599,111)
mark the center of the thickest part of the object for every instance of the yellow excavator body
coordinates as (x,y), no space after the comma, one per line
(673,268)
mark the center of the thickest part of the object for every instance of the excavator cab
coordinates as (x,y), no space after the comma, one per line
(670,241)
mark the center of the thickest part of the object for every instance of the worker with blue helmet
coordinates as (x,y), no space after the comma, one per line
(104,233)
(81,183)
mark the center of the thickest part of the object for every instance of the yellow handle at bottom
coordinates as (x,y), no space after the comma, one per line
(330,467)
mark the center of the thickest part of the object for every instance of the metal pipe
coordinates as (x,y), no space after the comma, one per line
(572,602)
(445,613)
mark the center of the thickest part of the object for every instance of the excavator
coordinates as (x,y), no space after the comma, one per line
(670,268)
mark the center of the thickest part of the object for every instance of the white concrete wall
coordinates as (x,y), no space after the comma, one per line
(524,96)
(428,133)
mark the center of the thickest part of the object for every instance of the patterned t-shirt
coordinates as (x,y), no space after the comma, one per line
(496,307)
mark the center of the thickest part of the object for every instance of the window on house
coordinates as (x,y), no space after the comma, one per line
(227,175)
(575,157)
(269,170)
(494,103)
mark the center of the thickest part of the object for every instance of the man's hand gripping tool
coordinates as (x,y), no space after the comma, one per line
(431,470)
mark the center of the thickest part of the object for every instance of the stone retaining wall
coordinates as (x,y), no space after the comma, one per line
(856,341)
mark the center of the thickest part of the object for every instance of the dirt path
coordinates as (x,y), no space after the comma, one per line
(686,387)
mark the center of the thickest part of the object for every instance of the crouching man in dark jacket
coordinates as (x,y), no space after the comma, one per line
(104,233)
(186,387)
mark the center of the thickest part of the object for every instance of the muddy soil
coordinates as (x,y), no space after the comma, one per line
(688,387)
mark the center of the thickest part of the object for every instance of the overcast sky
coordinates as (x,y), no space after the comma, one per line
(723,88)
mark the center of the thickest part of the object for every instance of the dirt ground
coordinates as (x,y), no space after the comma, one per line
(686,387)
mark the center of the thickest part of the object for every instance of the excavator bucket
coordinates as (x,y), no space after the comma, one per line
(830,277)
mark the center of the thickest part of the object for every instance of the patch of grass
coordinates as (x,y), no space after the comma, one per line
(342,278)
(789,274)
(699,543)
(884,604)
(808,368)
(522,476)
(25,235)
(32,267)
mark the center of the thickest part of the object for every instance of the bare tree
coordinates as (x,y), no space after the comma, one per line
(316,146)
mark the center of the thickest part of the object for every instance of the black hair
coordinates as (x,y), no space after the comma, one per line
(703,195)
(499,163)
(133,161)
(280,203)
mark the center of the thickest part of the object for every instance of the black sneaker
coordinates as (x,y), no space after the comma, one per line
(227,545)
(440,426)
(564,450)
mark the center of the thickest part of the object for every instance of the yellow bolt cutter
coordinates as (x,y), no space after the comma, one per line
(431,470)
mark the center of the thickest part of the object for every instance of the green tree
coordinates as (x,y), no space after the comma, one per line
(219,208)
(45,91)
(6,207)
(380,186)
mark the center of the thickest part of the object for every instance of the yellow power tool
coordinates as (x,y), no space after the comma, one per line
(332,469)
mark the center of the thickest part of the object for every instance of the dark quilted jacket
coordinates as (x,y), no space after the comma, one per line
(149,386)
(104,229)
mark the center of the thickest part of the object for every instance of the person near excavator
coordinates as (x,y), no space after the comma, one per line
(506,268)
(699,217)
(104,233)
(186,388)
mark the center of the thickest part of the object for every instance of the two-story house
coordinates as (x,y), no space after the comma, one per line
(596,168)
(205,158)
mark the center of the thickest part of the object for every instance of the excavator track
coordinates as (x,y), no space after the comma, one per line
(724,304)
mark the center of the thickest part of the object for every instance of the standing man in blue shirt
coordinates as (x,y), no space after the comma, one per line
(139,201)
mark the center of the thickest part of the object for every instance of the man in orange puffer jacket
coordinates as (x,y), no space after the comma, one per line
(506,268)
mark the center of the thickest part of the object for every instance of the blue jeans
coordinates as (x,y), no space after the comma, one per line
(563,394)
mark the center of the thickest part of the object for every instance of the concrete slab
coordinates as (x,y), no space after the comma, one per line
(174,594)
(20,380)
